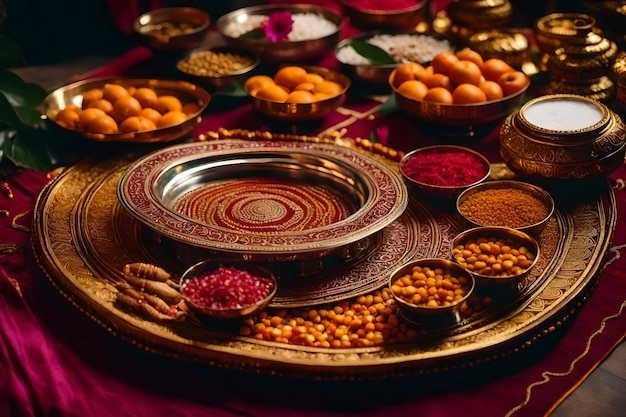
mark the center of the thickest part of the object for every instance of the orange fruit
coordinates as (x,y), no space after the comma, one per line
(87,115)
(438,80)
(313,78)
(321,96)
(146,96)
(256,82)
(465,72)
(91,95)
(306,86)
(443,61)
(492,90)
(68,118)
(467,93)
(512,82)
(102,124)
(438,95)
(330,88)
(191,108)
(407,71)
(467,54)
(493,68)
(272,92)
(413,89)
(125,107)
(167,103)
(151,114)
(290,76)
(137,124)
(172,118)
(299,96)
(113,92)
(102,104)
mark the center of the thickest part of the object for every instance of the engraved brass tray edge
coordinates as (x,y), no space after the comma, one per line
(273,358)
(384,182)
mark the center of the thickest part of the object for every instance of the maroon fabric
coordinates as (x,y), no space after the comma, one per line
(55,361)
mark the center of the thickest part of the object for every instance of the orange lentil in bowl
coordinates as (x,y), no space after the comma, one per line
(430,287)
(494,256)
(509,207)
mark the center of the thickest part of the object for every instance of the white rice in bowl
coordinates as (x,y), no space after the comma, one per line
(306,26)
(401,47)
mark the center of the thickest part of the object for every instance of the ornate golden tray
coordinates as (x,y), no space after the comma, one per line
(82,237)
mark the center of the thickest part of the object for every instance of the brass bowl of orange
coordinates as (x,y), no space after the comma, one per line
(458,88)
(298,93)
(125,109)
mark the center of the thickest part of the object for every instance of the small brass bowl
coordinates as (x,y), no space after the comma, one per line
(438,178)
(232,289)
(503,207)
(307,48)
(487,274)
(305,111)
(407,18)
(218,68)
(401,46)
(563,136)
(172,29)
(459,114)
(72,94)
(440,314)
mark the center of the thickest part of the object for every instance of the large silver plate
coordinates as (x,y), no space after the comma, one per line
(262,198)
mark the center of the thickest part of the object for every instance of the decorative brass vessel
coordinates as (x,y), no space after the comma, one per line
(563,136)
(611,17)
(619,70)
(510,46)
(576,54)
(467,17)
(553,29)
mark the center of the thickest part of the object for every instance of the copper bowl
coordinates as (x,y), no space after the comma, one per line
(211,73)
(280,52)
(427,187)
(305,111)
(563,136)
(512,238)
(72,94)
(538,194)
(459,114)
(237,272)
(407,18)
(172,29)
(361,68)
(420,313)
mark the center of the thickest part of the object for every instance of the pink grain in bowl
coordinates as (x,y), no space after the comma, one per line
(227,289)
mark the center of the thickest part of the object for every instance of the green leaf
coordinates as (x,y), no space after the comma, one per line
(376,55)
(11,56)
(234,90)
(8,116)
(253,34)
(388,107)
(19,93)
(27,148)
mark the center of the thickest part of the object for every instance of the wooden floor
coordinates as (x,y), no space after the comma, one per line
(603,394)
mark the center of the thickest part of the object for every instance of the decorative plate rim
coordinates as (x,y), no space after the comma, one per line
(387,200)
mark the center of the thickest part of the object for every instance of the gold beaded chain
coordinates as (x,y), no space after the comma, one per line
(336,138)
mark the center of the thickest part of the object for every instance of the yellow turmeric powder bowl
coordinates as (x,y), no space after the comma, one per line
(506,203)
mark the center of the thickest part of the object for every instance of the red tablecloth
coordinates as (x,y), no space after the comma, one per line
(55,361)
